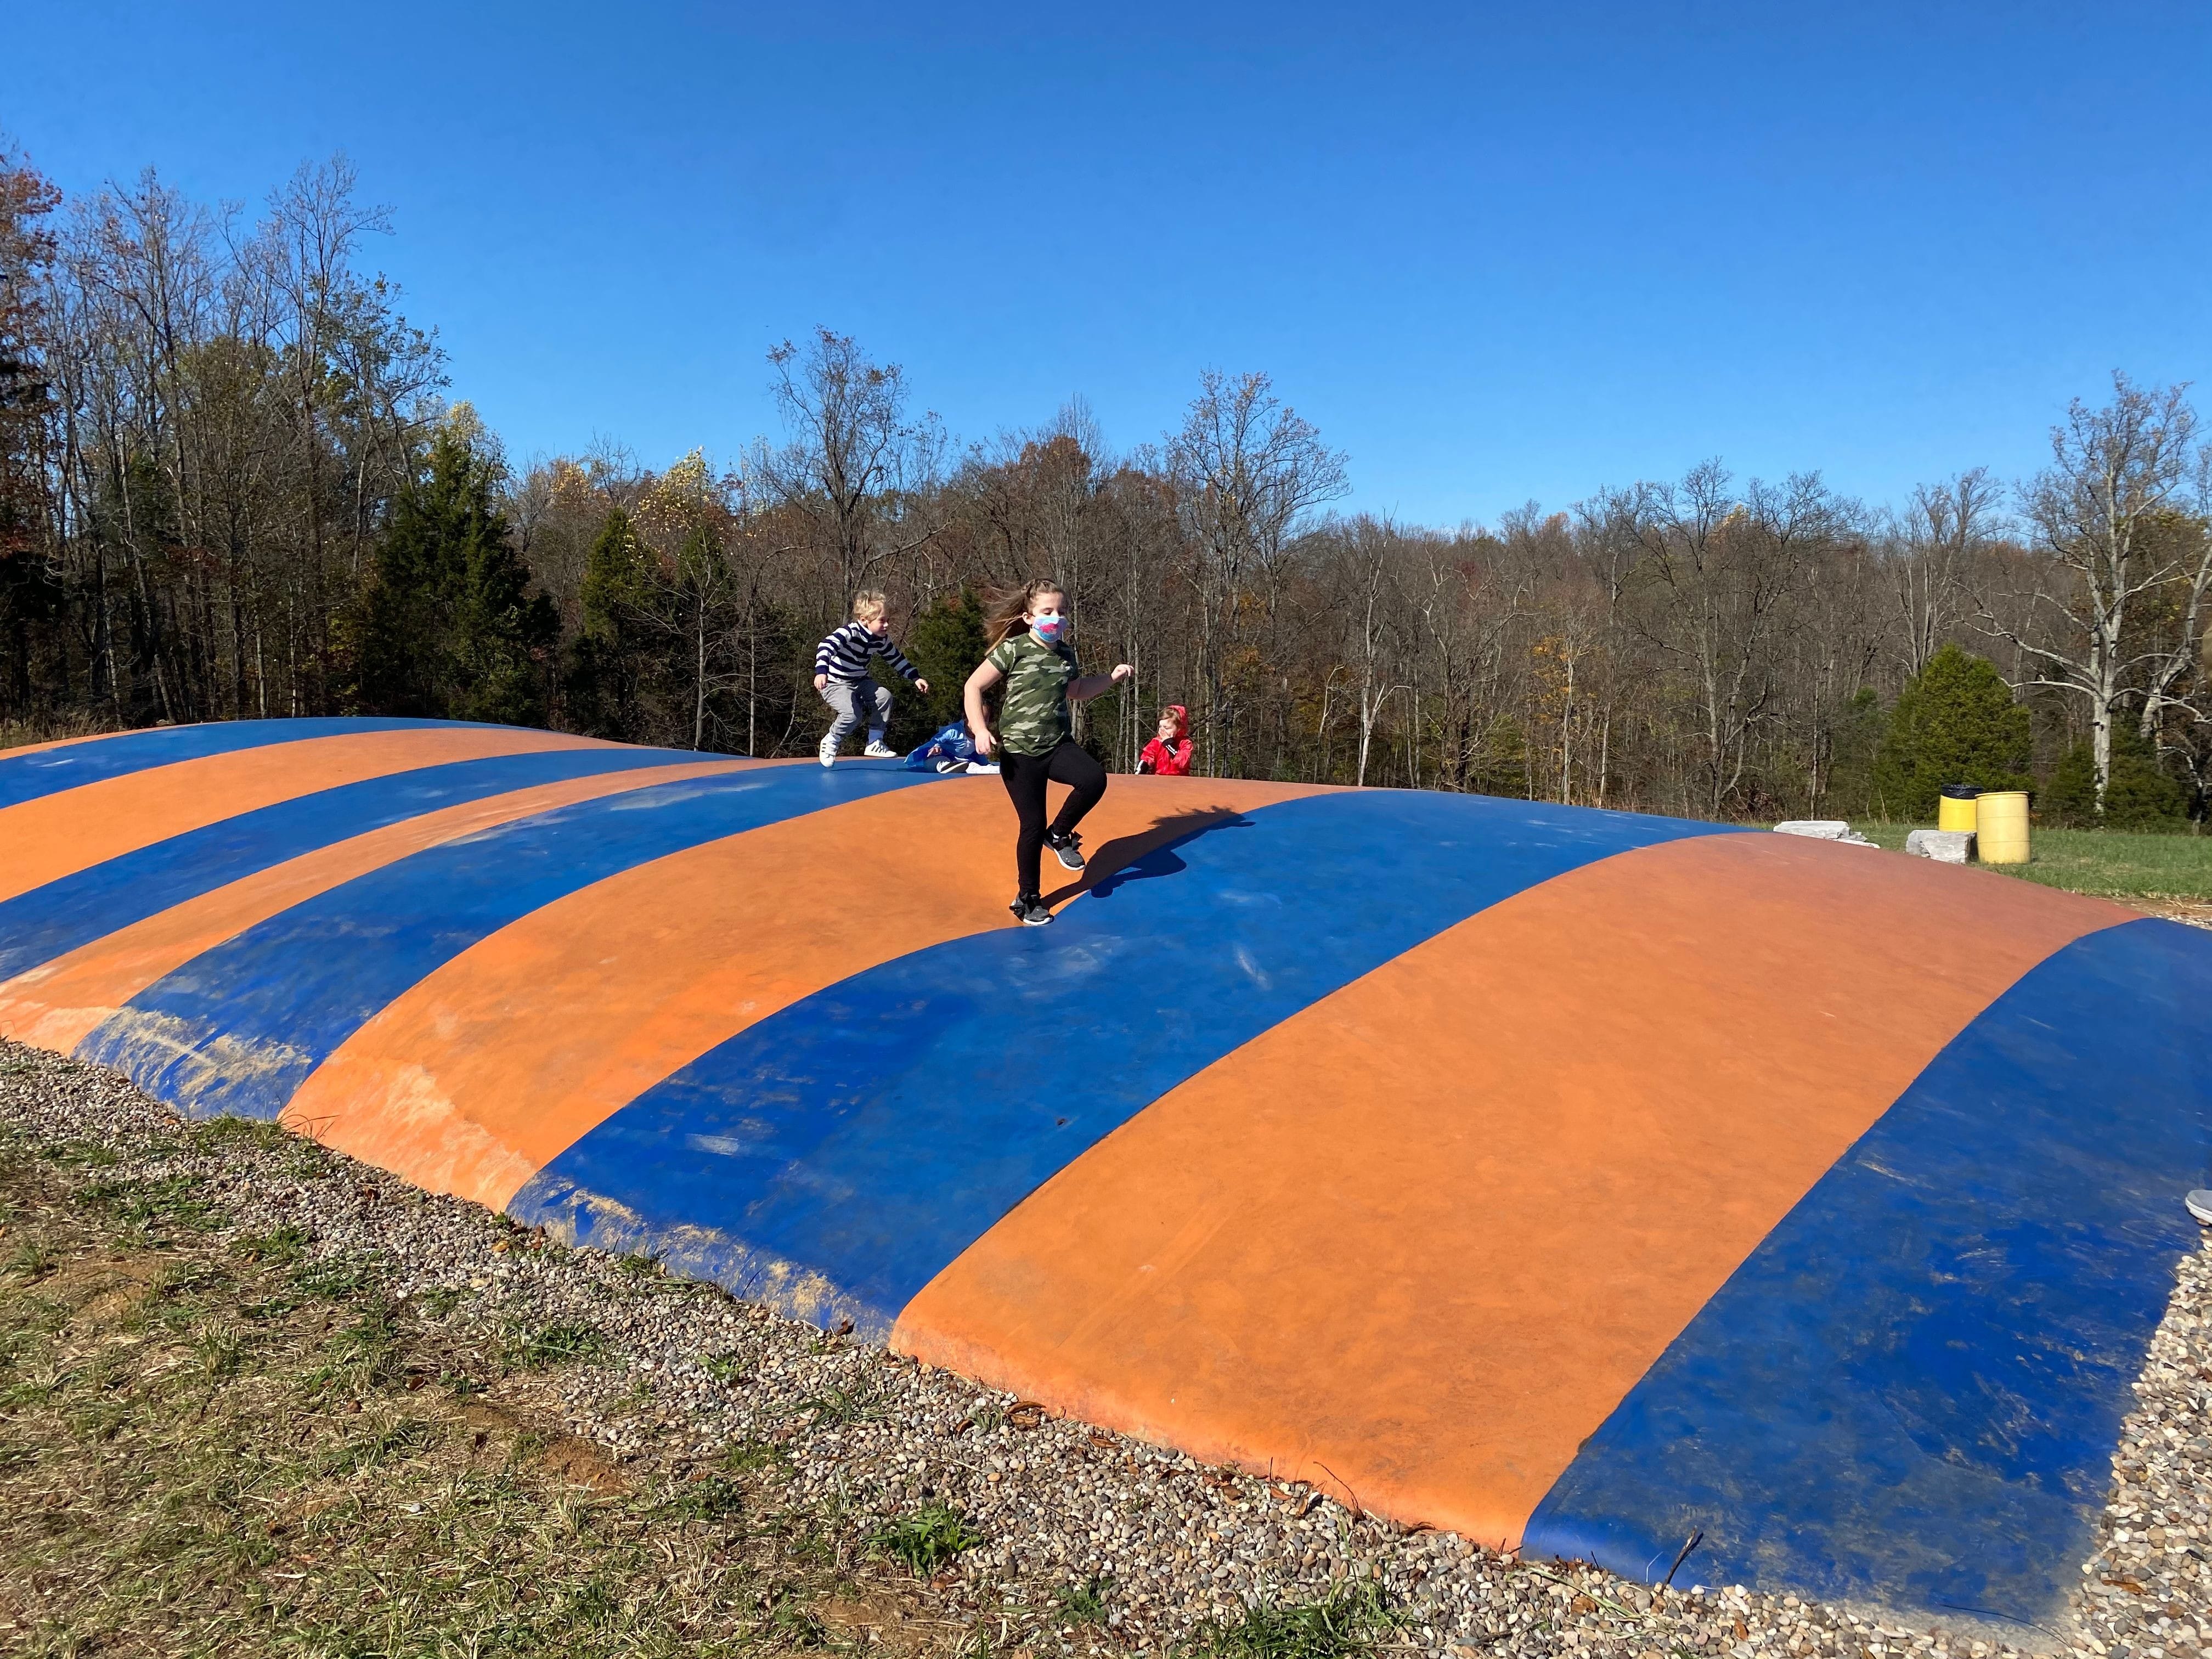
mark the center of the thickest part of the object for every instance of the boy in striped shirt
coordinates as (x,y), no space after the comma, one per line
(840,675)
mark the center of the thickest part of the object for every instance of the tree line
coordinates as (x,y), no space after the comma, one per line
(233,484)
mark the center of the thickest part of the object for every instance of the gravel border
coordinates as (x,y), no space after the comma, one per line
(682,1372)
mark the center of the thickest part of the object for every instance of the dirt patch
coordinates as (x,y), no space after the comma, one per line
(567,1457)
(895,1624)
(100,1289)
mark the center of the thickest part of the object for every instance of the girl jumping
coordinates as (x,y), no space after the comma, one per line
(1027,631)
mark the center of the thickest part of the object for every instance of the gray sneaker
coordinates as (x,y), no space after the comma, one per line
(1068,848)
(1030,911)
(2200,1206)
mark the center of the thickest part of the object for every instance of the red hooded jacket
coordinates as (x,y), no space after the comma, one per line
(1170,760)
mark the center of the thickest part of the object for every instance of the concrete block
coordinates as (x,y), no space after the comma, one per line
(1835,830)
(1944,846)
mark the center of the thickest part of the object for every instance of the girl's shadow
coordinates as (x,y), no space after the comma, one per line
(1147,856)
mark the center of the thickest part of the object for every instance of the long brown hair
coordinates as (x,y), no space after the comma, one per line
(1010,606)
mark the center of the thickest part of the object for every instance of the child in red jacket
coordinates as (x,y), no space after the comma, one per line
(1169,754)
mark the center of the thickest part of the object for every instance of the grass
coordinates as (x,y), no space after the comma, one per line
(1349,1622)
(926,1540)
(747,1457)
(711,1498)
(837,1408)
(219,1132)
(1086,1603)
(227,1445)
(555,1345)
(281,1247)
(2106,863)
(174,1200)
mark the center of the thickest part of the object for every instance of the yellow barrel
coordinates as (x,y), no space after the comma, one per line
(1955,807)
(2001,827)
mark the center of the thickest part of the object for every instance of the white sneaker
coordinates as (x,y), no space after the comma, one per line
(826,753)
(878,751)
(2200,1206)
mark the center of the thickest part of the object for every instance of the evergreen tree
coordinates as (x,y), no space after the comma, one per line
(505,635)
(31,597)
(945,645)
(611,657)
(1954,722)
(450,628)
(2141,795)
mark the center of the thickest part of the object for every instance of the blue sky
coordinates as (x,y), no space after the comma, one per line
(1494,253)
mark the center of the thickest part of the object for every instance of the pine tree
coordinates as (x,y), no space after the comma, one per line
(609,662)
(944,644)
(450,628)
(1954,722)
(505,636)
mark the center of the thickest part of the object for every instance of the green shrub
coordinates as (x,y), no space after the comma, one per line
(1954,722)
(2140,796)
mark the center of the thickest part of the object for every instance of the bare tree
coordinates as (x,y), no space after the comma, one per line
(1247,470)
(1715,573)
(1470,603)
(857,472)
(2174,652)
(694,591)
(1933,542)
(2108,512)
(1375,550)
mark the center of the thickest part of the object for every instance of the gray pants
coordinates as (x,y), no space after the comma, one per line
(854,702)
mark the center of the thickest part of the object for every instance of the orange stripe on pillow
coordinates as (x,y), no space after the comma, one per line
(58,834)
(55,1005)
(1414,1243)
(496,1063)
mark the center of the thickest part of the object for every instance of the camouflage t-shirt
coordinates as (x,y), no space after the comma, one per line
(1033,715)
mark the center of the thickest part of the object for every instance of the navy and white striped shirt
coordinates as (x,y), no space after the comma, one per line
(844,655)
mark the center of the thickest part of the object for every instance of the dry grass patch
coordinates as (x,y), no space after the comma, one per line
(211,1446)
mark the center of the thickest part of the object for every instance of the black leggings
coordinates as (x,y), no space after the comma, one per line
(1026,775)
